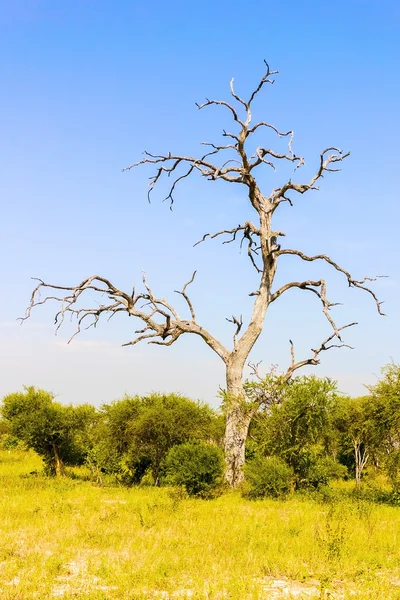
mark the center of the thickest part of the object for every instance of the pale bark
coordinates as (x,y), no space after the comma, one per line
(237,428)
(161,323)
(238,417)
(361,458)
(58,464)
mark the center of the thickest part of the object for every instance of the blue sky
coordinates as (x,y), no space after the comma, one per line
(88,85)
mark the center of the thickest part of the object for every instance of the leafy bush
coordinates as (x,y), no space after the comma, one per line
(197,466)
(135,434)
(56,432)
(267,476)
(10,442)
(324,470)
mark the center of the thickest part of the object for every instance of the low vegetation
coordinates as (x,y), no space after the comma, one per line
(67,538)
(128,501)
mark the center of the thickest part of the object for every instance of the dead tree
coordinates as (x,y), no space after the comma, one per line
(161,322)
(361,457)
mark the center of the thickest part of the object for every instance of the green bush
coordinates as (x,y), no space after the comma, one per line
(324,470)
(10,442)
(196,466)
(267,476)
(58,433)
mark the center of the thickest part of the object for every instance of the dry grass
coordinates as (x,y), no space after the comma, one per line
(71,539)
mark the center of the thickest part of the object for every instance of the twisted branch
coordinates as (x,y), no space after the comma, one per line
(240,171)
(207,170)
(239,325)
(351,281)
(278,195)
(270,389)
(184,294)
(162,323)
(314,359)
(249,230)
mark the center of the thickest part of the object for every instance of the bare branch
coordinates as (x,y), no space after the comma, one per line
(312,286)
(308,285)
(263,81)
(314,359)
(278,194)
(169,163)
(162,323)
(231,135)
(237,98)
(351,281)
(241,173)
(254,369)
(239,325)
(269,126)
(248,229)
(140,339)
(184,294)
(262,152)
(249,226)
(221,103)
(246,105)
(218,148)
(232,232)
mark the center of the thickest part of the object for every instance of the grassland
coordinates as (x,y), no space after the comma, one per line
(73,539)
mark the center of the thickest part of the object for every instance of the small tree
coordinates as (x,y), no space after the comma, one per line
(164,421)
(49,428)
(161,323)
(112,437)
(136,434)
(384,421)
(299,429)
(353,421)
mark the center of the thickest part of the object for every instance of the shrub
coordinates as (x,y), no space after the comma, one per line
(10,442)
(137,433)
(267,476)
(55,431)
(324,470)
(197,466)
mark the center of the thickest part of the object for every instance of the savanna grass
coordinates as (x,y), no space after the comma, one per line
(69,538)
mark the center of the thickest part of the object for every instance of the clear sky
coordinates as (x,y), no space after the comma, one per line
(87,85)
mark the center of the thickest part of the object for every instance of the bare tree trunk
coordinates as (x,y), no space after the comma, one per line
(238,417)
(58,464)
(361,458)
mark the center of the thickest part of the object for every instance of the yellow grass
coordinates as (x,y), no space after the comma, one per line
(72,539)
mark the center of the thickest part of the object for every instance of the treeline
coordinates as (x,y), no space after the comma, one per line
(302,438)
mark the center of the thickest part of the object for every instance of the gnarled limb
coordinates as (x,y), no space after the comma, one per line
(241,170)
(350,280)
(278,195)
(207,169)
(312,286)
(162,322)
(239,325)
(261,153)
(314,359)
(249,232)
(269,389)
(184,294)
(247,105)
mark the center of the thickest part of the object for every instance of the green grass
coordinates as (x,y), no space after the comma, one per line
(72,539)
